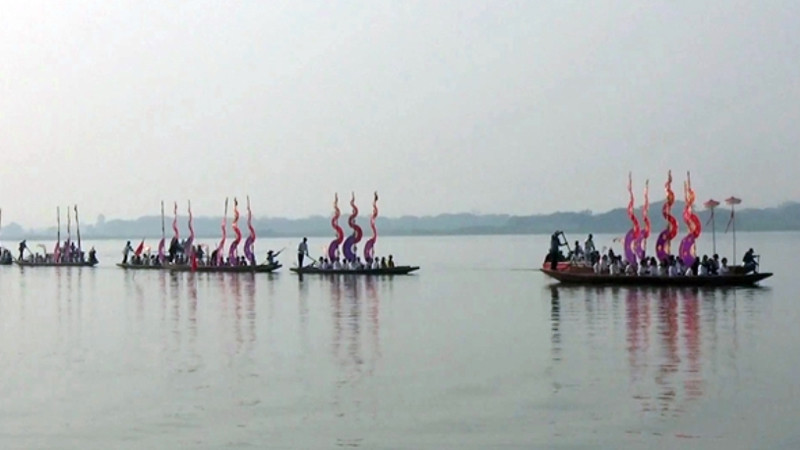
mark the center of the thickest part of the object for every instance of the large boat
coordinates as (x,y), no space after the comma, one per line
(591,278)
(28,263)
(67,255)
(259,268)
(129,266)
(398,270)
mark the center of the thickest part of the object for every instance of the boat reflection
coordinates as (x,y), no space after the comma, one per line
(664,335)
(355,342)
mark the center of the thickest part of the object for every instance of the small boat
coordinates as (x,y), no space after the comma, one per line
(259,268)
(591,278)
(398,270)
(24,263)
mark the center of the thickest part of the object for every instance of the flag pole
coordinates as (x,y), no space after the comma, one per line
(78,228)
(733,224)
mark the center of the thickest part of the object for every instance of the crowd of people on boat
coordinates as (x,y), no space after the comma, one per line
(177,254)
(67,253)
(355,263)
(613,264)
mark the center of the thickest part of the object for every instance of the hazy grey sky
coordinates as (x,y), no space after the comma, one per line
(441,106)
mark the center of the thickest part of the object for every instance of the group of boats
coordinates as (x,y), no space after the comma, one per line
(188,256)
(578,271)
(342,256)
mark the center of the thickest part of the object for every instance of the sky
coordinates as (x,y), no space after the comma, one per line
(518,107)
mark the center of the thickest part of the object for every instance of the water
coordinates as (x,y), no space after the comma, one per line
(476,351)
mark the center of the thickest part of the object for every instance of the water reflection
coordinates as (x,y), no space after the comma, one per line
(355,343)
(669,336)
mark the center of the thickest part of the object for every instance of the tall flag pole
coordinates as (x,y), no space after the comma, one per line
(77,228)
(732,201)
(710,205)
(57,251)
(161,243)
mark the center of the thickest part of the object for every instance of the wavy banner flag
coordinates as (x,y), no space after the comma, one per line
(189,247)
(349,249)
(663,243)
(233,250)
(177,235)
(632,236)
(333,247)
(221,246)
(688,252)
(641,248)
(368,251)
(251,239)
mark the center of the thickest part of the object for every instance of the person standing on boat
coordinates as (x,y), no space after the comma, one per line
(555,243)
(127,250)
(302,251)
(589,250)
(22,246)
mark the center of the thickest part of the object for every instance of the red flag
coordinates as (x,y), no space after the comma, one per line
(730,221)
(139,249)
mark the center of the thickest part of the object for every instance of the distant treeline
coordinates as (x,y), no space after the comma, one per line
(782,218)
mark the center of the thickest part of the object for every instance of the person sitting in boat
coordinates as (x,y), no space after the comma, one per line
(375,264)
(750,261)
(723,267)
(644,267)
(383,262)
(713,267)
(577,252)
(336,264)
(702,267)
(271,257)
(390,262)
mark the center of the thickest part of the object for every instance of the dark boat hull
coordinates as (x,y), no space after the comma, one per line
(140,267)
(399,270)
(51,264)
(261,268)
(646,280)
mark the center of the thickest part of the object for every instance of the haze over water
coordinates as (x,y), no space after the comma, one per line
(476,351)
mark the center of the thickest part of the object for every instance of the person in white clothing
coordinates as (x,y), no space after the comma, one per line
(723,267)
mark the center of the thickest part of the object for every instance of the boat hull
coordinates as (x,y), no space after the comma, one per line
(51,264)
(261,268)
(647,280)
(399,270)
(140,267)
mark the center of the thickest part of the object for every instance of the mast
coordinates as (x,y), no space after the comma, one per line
(58,226)
(163,234)
(78,228)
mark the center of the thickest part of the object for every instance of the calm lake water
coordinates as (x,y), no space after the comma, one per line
(475,351)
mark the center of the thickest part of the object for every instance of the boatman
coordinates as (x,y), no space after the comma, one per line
(555,243)
(302,251)
(22,246)
(128,249)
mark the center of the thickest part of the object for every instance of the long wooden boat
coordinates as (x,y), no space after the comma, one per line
(55,264)
(129,266)
(398,270)
(585,278)
(260,268)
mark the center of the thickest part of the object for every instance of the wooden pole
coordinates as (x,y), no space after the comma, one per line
(78,228)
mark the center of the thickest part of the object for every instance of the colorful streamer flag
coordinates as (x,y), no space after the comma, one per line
(139,249)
